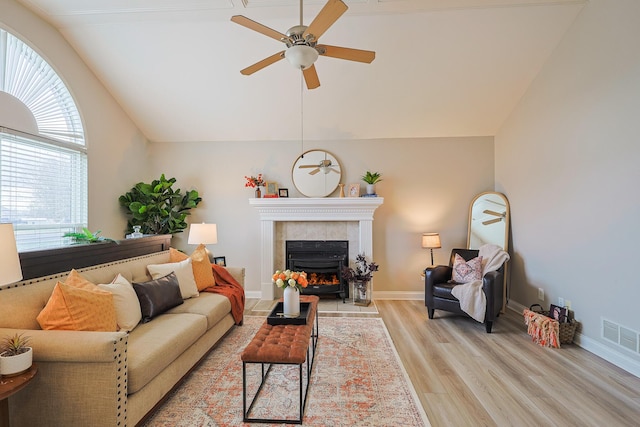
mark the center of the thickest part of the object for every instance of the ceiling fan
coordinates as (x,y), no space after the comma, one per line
(325,166)
(500,216)
(302,48)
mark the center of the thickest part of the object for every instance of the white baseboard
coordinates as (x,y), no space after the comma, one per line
(253,294)
(593,346)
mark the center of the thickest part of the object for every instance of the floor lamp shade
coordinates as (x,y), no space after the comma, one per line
(206,234)
(10,270)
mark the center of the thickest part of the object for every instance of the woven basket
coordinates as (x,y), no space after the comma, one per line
(566,329)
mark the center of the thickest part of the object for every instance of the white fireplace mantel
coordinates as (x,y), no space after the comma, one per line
(272,210)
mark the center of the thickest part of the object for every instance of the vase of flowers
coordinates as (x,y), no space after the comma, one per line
(360,278)
(255,182)
(292,282)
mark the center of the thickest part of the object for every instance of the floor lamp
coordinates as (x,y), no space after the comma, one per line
(431,241)
(206,234)
(10,270)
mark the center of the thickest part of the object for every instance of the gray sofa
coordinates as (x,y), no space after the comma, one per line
(108,378)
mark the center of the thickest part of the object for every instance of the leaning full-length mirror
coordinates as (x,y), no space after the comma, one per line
(316,173)
(489,221)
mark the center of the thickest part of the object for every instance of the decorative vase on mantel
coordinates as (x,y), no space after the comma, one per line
(291,305)
(258,192)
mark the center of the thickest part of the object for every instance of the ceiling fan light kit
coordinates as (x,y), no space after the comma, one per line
(301,41)
(301,56)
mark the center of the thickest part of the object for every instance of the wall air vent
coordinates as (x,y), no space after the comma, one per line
(618,334)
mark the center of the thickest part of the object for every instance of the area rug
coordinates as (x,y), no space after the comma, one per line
(357,380)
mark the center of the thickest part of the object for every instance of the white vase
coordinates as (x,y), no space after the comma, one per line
(14,365)
(371,189)
(291,306)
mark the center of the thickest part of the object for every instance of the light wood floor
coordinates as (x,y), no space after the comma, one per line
(466,377)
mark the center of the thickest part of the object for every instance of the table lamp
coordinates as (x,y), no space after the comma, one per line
(431,241)
(10,270)
(207,234)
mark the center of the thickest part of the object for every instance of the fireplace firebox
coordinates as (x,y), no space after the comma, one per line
(323,261)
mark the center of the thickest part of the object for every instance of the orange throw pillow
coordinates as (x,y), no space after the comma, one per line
(202,271)
(78,305)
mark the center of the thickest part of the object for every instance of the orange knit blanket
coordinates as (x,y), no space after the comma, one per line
(543,330)
(228,286)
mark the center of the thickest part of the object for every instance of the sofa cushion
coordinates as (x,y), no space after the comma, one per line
(126,302)
(78,309)
(184,273)
(467,271)
(157,296)
(212,306)
(200,264)
(153,346)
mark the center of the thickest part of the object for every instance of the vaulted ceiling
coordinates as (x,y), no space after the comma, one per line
(442,67)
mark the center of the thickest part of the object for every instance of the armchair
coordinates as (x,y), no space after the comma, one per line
(438,290)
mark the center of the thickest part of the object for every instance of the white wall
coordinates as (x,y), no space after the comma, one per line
(117,149)
(427,184)
(568,159)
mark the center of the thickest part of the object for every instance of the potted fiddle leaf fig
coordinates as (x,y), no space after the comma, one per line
(16,356)
(157,207)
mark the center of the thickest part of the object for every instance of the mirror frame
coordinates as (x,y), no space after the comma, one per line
(325,156)
(507,215)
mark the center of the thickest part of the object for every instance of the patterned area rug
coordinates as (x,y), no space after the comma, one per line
(357,380)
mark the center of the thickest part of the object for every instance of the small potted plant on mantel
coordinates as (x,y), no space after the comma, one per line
(372,178)
(16,356)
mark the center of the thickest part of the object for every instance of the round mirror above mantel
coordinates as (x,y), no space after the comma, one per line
(316,173)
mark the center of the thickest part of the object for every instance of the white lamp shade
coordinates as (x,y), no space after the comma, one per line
(301,56)
(203,233)
(10,270)
(431,240)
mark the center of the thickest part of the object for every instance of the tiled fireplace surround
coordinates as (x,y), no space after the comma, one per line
(283,219)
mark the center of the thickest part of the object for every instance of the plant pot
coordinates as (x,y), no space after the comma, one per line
(15,365)
(371,189)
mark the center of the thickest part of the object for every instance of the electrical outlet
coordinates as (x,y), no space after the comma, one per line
(541,294)
(561,301)
(568,304)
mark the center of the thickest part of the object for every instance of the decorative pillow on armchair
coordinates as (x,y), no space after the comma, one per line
(467,271)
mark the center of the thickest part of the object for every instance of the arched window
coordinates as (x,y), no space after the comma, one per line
(43,158)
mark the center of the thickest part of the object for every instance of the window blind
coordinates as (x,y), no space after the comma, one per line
(43,178)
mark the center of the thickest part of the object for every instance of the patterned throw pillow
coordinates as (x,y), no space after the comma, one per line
(78,305)
(467,271)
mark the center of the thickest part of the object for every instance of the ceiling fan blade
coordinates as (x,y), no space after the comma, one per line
(333,170)
(256,26)
(315,171)
(487,211)
(307,166)
(325,19)
(311,77)
(347,53)
(261,64)
(491,221)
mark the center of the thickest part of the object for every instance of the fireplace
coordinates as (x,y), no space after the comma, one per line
(323,261)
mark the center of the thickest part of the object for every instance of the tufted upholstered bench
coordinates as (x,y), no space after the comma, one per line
(282,345)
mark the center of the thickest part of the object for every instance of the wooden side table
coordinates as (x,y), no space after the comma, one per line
(10,386)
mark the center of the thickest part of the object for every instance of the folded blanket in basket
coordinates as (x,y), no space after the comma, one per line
(543,330)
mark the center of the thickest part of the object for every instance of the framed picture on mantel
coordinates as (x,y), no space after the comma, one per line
(354,190)
(271,189)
